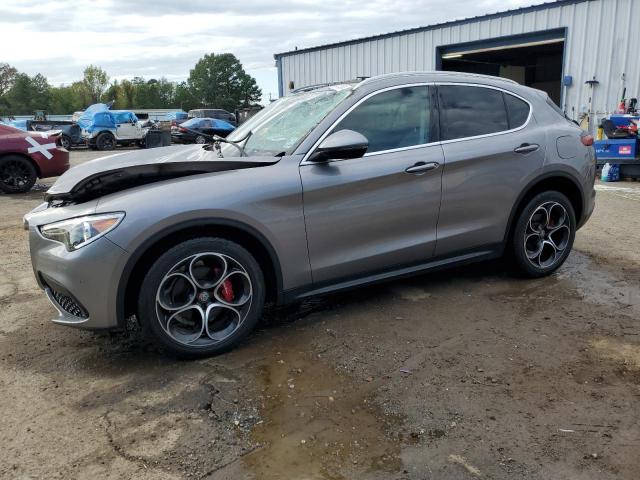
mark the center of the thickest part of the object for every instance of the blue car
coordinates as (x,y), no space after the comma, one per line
(198,130)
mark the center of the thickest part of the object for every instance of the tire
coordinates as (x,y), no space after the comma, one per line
(543,235)
(17,174)
(200,140)
(225,284)
(65,142)
(105,141)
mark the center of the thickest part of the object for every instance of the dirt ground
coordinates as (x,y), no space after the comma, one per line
(462,374)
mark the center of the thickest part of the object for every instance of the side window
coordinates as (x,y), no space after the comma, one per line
(392,119)
(470,111)
(517,110)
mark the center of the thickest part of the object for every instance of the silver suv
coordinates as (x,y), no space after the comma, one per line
(329,188)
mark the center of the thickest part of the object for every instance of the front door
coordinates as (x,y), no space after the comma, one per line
(378,212)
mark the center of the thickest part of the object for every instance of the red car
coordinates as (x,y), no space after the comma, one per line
(27,156)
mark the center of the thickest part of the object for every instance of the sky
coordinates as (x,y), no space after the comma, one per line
(165,38)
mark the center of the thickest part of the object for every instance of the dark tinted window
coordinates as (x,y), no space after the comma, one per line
(470,111)
(517,110)
(393,119)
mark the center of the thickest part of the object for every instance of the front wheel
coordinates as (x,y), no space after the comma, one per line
(201,297)
(543,234)
(17,174)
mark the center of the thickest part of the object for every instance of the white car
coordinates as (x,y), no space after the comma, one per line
(114,127)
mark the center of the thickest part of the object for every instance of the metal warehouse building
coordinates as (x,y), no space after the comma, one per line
(556,47)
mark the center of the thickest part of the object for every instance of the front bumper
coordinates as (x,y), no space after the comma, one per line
(81,285)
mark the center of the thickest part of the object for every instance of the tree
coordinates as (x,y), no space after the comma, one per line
(81,94)
(28,94)
(183,98)
(126,95)
(96,81)
(64,100)
(112,94)
(250,93)
(219,81)
(7,77)
(40,92)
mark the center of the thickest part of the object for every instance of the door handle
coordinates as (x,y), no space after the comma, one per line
(527,148)
(422,167)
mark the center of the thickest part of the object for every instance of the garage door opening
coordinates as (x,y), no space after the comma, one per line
(535,63)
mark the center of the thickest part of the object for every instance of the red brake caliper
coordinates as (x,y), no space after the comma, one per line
(226,288)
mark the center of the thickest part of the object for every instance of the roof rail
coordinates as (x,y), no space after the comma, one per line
(316,86)
(436,73)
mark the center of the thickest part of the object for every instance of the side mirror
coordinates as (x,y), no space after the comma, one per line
(341,145)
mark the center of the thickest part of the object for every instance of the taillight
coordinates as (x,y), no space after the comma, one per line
(587,140)
(183,130)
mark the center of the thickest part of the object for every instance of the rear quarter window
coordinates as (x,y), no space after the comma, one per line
(517,110)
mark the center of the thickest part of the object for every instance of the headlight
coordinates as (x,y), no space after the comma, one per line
(78,232)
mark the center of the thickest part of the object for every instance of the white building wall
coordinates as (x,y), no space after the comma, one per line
(602,41)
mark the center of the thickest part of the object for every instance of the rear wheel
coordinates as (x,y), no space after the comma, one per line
(65,142)
(17,174)
(105,141)
(200,139)
(543,234)
(201,297)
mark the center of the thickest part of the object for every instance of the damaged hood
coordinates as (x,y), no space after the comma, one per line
(120,171)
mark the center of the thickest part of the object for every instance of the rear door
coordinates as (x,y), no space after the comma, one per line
(206,127)
(380,211)
(127,127)
(492,147)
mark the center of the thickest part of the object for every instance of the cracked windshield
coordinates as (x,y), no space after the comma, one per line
(279,128)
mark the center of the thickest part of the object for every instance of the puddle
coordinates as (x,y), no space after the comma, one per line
(598,286)
(316,424)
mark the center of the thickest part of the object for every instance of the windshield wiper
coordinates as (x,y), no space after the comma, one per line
(218,140)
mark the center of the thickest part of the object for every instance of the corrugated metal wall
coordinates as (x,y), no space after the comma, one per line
(603,37)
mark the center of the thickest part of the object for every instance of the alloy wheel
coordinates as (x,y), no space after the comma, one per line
(15,174)
(547,235)
(203,299)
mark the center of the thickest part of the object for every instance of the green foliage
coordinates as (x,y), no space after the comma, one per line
(220,81)
(28,93)
(96,81)
(7,77)
(216,81)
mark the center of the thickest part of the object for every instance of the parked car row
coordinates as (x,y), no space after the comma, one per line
(101,128)
(32,149)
